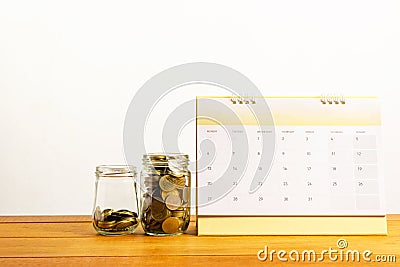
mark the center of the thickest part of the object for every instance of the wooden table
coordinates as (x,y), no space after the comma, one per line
(71,241)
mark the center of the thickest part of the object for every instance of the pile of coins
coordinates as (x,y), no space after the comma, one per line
(165,203)
(111,221)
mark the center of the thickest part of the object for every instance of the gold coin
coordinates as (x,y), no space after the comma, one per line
(106,213)
(181,181)
(154,226)
(157,205)
(175,174)
(165,194)
(173,202)
(127,214)
(115,214)
(158,157)
(103,224)
(124,224)
(160,216)
(178,213)
(112,217)
(171,225)
(159,170)
(165,184)
(178,182)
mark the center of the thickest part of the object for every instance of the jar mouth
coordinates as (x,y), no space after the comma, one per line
(115,171)
(162,156)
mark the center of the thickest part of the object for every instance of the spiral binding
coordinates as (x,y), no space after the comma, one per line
(333,99)
(243,100)
(325,99)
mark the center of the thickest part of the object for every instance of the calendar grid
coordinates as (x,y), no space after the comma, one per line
(327,170)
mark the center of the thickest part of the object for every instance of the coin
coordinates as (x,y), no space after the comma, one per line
(178,213)
(106,213)
(114,221)
(108,224)
(175,166)
(177,181)
(124,224)
(154,225)
(160,170)
(111,218)
(157,206)
(175,174)
(165,184)
(160,216)
(165,194)
(173,202)
(126,213)
(158,157)
(171,225)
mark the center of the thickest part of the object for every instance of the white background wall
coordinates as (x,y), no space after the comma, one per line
(69,69)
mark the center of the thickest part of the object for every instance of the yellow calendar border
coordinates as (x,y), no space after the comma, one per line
(292,225)
(302,113)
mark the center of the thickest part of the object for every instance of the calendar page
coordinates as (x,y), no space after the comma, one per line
(323,157)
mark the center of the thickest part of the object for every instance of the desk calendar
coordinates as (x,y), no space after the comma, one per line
(323,175)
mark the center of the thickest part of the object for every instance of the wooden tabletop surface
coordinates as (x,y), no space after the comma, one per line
(72,241)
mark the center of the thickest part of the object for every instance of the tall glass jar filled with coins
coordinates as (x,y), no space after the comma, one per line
(115,206)
(165,191)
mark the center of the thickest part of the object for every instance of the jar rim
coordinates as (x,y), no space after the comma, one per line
(165,155)
(115,171)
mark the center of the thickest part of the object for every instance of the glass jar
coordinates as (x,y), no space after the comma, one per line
(115,207)
(165,191)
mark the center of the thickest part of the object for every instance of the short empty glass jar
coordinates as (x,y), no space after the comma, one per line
(116,207)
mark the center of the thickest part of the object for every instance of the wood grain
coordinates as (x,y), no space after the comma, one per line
(172,261)
(53,219)
(72,241)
